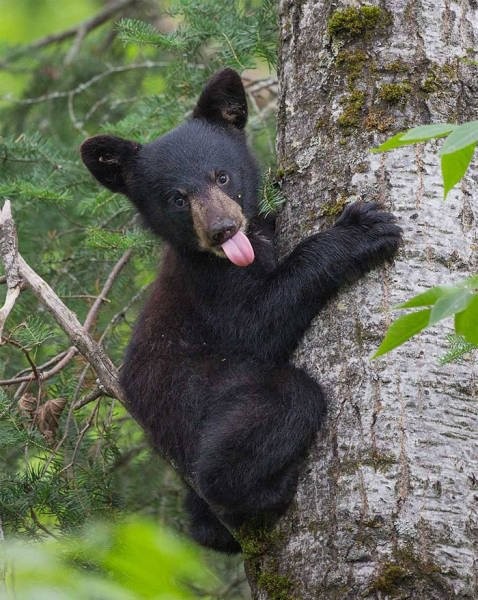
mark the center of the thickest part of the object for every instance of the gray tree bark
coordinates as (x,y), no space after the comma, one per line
(387,504)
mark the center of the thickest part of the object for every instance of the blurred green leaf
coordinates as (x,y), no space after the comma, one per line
(466,322)
(423,133)
(449,304)
(402,329)
(461,137)
(427,298)
(454,166)
(130,560)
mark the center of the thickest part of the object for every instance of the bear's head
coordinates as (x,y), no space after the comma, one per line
(197,185)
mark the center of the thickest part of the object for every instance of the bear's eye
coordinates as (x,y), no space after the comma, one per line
(180,201)
(222,178)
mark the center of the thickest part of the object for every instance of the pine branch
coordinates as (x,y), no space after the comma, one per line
(458,348)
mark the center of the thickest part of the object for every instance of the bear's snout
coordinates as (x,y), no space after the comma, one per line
(222,230)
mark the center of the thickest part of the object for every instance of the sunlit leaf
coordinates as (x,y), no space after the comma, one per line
(461,137)
(466,322)
(422,133)
(392,143)
(449,304)
(403,329)
(427,298)
(454,166)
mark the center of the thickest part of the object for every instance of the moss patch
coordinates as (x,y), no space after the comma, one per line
(390,578)
(395,93)
(406,571)
(352,62)
(333,208)
(378,461)
(278,587)
(286,169)
(378,120)
(397,66)
(257,541)
(353,104)
(354,22)
(438,77)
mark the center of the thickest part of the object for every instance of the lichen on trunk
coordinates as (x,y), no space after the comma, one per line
(386,506)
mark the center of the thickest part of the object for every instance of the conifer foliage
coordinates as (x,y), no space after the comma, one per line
(68,453)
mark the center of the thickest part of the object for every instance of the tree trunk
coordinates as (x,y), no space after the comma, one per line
(387,504)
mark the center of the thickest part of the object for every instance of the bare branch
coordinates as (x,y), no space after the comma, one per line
(40,525)
(33,367)
(67,320)
(79,31)
(92,313)
(148,64)
(91,397)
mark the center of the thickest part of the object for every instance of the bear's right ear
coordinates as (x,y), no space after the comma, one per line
(108,158)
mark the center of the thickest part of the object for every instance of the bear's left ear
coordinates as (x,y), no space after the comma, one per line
(223,100)
(109,158)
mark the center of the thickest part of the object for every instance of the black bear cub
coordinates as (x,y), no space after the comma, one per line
(207,371)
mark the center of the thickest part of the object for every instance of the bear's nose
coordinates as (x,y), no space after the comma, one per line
(222,231)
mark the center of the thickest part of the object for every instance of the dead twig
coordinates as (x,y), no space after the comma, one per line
(9,256)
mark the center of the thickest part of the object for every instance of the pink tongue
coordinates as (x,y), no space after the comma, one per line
(238,250)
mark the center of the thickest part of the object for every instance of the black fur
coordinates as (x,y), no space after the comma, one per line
(207,371)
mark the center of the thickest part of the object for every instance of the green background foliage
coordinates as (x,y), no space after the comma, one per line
(137,76)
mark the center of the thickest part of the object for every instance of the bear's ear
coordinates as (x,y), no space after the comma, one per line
(108,158)
(223,100)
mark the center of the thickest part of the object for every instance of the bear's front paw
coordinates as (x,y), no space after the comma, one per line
(374,231)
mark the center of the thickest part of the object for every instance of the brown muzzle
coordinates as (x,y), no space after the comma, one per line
(216,218)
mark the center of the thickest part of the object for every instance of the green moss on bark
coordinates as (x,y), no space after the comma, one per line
(354,22)
(334,208)
(395,93)
(353,104)
(407,571)
(352,63)
(278,587)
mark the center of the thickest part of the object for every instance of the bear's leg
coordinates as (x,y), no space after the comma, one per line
(205,528)
(254,439)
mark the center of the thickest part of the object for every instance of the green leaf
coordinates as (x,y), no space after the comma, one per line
(461,137)
(451,303)
(391,143)
(470,282)
(454,166)
(423,133)
(466,322)
(427,298)
(402,329)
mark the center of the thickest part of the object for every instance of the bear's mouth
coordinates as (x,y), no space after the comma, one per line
(220,226)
